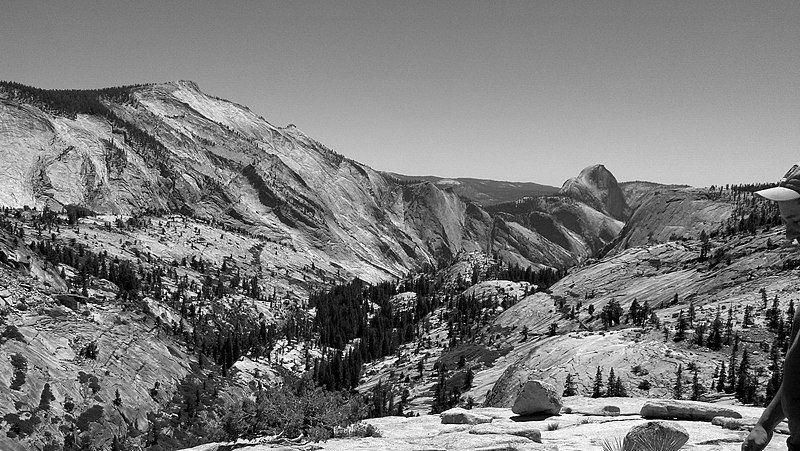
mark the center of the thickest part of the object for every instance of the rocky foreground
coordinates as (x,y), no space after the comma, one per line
(584,424)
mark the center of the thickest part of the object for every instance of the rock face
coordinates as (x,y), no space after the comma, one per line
(535,397)
(597,187)
(660,435)
(670,212)
(458,415)
(484,192)
(685,410)
(170,147)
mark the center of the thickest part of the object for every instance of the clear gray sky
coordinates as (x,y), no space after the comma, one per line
(698,92)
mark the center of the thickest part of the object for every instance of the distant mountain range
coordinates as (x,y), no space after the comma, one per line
(171,148)
(481,191)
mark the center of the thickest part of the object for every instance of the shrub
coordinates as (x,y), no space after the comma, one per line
(90,415)
(552,426)
(46,397)
(613,444)
(20,364)
(309,411)
(12,333)
(359,429)
(89,351)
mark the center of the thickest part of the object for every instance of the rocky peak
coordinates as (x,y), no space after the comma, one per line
(188,84)
(597,187)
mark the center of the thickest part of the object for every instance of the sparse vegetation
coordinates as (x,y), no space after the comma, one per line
(20,365)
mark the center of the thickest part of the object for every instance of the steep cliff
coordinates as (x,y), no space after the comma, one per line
(597,187)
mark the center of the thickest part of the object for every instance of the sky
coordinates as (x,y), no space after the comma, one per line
(697,92)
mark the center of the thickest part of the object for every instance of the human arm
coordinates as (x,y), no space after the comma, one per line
(760,436)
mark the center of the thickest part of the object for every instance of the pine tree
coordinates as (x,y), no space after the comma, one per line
(696,388)
(729,327)
(597,388)
(570,388)
(721,381)
(747,321)
(699,333)
(714,341)
(743,378)
(774,314)
(634,311)
(677,389)
(117,400)
(619,388)
(612,383)
(46,397)
(732,374)
(705,246)
(680,332)
(775,380)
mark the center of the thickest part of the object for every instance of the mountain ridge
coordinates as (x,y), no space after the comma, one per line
(170,147)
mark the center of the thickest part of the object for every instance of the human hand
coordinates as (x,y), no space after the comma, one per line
(757,440)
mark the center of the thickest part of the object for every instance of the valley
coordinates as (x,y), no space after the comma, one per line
(175,271)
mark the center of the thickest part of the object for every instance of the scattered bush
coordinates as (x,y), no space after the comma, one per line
(552,426)
(12,333)
(20,364)
(359,429)
(90,415)
(89,351)
(306,410)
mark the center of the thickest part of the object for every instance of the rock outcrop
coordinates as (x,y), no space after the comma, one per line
(670,409)
(458,415)
(537,397)
(599,411)
(597,187)
(509,428)
(674,213)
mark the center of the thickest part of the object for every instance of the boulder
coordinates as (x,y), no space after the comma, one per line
(57,311)
(669,409)
(506,388)
(600,411)
(734,424)
(535,397)
(508,428)
(745,424)
(67,300)
(458,415)
(661,435)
